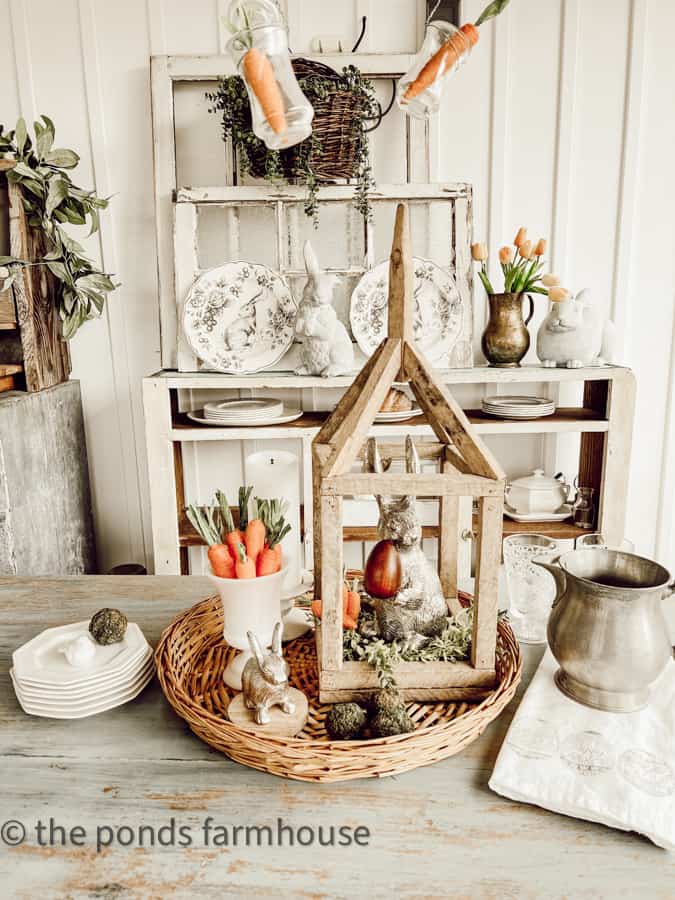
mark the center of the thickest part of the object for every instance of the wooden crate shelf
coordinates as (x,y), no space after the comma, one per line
(564,420)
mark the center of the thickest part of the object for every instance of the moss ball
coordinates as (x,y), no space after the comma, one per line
(108,626)
(345,721)
(389,722)
(386,700)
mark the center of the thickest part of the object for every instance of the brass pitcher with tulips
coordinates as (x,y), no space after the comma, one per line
(506,339)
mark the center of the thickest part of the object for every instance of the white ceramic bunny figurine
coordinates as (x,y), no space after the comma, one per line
(419,610)
(575,334)
(265,678)
(326,349)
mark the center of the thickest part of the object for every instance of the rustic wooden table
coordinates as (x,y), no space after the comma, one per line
(434,832)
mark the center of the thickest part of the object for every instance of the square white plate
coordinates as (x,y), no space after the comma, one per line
(42,659)
(102,704)
(81,692)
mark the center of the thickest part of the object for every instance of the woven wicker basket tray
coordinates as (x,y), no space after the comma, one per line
(192,655)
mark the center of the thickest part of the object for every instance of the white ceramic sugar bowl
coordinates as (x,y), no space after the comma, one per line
(537,493)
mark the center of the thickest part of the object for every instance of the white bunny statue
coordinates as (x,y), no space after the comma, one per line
(327,349)
(264,679)
(575,334)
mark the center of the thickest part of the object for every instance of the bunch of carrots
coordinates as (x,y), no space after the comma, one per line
(450,53)
(351,606)
(251,550)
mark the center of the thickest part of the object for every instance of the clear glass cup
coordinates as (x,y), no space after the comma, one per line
(597,541)
(532,589)
(431,65)
(281,114)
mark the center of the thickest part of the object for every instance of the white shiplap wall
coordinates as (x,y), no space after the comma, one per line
(562,120)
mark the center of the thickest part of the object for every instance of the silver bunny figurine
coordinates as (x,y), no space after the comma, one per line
(418,611)
(265,678)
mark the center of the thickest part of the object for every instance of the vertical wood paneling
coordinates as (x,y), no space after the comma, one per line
(559,118)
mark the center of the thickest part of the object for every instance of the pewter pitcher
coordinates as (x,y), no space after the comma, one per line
(607,629)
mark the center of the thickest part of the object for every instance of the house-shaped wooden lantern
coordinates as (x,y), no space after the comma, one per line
(465,468)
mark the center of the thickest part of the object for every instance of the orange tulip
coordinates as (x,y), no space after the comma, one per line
(521,237)
(540,249)
(550,280)
(525,250)
(505,255)
(479,252)
(558,294)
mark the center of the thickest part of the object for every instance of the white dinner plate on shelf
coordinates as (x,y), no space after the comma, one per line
(259,408)
(439,311)
(290,415)
(514,407)
(239,317)
(398,415)
(563,513)
(42,659)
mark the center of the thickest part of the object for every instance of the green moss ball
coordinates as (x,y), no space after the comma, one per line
(108,626)
(345,721)
(389,722)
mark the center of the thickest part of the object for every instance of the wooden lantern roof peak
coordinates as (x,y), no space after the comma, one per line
(342,436)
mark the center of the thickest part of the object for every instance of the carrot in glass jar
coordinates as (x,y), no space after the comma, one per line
(445,59)
(260,77)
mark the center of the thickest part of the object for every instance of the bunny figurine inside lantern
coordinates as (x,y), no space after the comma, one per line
(265,679)
(574,333)
(418,610)
(327,349)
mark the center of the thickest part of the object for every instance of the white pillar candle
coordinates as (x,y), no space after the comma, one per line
(276,473)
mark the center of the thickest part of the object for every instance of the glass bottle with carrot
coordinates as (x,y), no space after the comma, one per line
(281,114)
(444,49)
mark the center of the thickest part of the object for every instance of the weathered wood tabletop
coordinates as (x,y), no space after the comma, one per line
(434,832)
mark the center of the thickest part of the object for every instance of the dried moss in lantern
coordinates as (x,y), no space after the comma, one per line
(108,626)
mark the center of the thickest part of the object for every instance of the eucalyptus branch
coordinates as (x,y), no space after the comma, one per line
(51,201)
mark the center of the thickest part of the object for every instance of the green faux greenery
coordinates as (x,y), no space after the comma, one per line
(51,201)
(452,645)
(297,163)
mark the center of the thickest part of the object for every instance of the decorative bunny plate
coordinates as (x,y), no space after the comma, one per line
(439,311)
(239,317)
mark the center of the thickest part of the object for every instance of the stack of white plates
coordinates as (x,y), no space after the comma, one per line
(242,413)
(46,684)
(398,415)
(504,407)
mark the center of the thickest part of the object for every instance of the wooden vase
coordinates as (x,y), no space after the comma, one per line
(506,339)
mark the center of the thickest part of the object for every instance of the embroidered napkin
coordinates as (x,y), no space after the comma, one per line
(614,768)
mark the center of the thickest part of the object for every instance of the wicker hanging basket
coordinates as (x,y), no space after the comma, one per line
(192,655)
(336,127)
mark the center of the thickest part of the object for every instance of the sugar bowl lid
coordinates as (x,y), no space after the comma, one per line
(537,481)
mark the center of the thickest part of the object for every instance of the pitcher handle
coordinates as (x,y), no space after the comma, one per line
(527,320)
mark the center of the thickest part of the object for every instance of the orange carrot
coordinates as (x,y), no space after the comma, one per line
(317,608)
(244,567)
(443,60)
(268,561)
(254,538)
(233,539)
(222,564)
(351,606)
(260,77)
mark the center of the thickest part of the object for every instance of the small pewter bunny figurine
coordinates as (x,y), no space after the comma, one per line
(265,678)
(418,611)
(327,349)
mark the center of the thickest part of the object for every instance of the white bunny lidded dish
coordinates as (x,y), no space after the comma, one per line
(327,349)
(265,679)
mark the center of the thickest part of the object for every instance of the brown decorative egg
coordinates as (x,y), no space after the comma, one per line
(383,573)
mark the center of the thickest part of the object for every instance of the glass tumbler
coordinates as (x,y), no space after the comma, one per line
(281,114)
(444,49)
(532,589)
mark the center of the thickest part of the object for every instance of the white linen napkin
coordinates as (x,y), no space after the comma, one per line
(614,768)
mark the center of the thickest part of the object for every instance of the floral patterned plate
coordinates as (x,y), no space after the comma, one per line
(438,310)
(239,317)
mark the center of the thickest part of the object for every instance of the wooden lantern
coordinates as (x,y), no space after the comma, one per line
(466,468)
